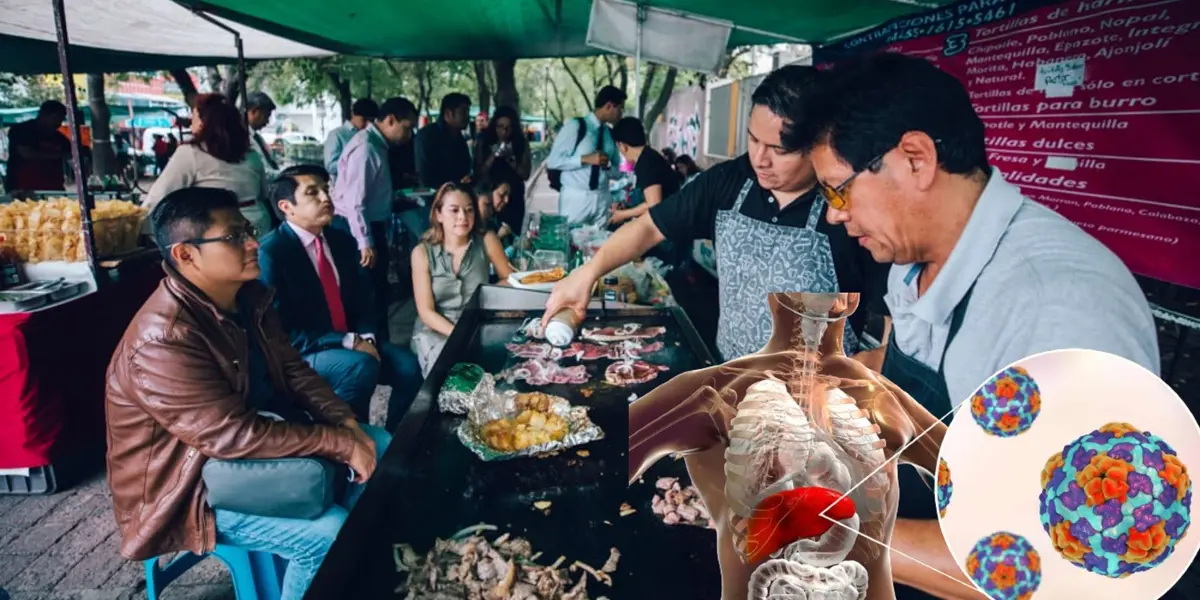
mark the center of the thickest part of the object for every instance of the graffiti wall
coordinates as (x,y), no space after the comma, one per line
(681,126)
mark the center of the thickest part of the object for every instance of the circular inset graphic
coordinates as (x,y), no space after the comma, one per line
(1109,513)
(1008,403)
(945,488)
(1005,566)
(1116,501)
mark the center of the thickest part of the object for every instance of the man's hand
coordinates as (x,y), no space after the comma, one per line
(368,258)
(368,348)
(574,292)
(362,459)
(596,159)
(465,179)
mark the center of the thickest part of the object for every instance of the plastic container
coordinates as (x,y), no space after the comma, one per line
(560,331)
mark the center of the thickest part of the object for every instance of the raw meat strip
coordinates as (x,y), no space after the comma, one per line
(632,372)
(628,331)
(537,371)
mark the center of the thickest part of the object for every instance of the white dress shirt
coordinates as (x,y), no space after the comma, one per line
(309,241)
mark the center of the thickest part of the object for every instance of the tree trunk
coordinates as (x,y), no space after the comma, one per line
(104,162)
(341,89)
(557,116)
(578,85)
(481,82)
(660,103)
(187,86)
(424,88)
(232,84)
(609,70)
(623,75)
(506,84)
(644,89)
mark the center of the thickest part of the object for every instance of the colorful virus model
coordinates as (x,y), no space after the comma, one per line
(1005,566)
(1008,403)
(945,488)
(1116,501)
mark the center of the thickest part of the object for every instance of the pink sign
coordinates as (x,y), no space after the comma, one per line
(1091,106)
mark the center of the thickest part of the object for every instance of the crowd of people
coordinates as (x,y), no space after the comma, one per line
(872,178)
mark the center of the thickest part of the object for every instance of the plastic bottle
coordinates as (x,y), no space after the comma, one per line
(560,331)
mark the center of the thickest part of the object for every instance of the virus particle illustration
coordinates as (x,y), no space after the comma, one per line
(945,488)
(1116,501)
(1005,566)
(1008,403)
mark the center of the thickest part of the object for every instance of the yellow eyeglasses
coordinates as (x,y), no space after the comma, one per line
(839,197)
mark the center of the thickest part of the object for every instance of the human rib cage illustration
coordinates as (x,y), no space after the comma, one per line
(784,434)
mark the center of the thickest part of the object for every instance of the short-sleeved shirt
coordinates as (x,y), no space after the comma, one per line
(652,169)
(1038,283)
(35,174)
(691,214)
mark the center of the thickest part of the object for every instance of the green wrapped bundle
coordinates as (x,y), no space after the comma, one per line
(465,385)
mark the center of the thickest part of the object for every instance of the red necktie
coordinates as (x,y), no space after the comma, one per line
(329,285)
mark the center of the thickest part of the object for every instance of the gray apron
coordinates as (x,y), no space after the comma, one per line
(756,258)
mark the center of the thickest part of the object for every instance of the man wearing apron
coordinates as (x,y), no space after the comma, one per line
(764,213)
(982,277)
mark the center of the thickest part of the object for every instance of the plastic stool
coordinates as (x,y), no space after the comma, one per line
(256,575)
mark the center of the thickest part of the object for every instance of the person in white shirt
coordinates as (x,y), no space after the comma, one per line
(581,158)
(218,156)
(325,301)
(363,112)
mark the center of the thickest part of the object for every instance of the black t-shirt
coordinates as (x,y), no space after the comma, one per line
(38,173)
(652,169)
(692,214)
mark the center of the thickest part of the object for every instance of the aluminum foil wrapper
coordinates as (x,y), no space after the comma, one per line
(580,430)
(465,386)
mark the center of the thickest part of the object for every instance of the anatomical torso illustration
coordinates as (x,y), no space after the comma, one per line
(789,450)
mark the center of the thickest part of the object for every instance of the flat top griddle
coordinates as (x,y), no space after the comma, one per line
(430,486)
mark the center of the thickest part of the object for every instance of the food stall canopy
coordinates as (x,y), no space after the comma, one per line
(490,29)
(112,36)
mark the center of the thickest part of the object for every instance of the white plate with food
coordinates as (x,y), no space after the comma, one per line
(542,279)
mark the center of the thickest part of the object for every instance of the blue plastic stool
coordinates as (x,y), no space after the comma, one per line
(256,575)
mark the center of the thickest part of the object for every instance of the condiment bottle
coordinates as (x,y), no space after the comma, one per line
(10,268)
(611,291)
(560,331)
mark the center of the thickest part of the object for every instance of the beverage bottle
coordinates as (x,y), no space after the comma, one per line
(10,268)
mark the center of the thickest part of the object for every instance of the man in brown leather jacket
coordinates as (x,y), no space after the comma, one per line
(198,364)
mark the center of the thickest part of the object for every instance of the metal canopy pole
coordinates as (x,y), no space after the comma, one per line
(85,199)
(637,59)
(241,61)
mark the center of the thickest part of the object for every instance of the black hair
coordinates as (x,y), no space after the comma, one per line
(865,105)
(453,101)
(629,131)
(186,214)
(259,100)
(53,107)
(285,184)
(399,107)
(365,108)
(517,138)
(609,94)
(484,187)
(783,90)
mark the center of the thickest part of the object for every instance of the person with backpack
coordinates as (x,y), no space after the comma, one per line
(581,158)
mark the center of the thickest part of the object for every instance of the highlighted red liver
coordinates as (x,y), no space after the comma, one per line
(785,517)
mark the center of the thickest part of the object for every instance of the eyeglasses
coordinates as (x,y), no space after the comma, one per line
(837,197)
(236,239)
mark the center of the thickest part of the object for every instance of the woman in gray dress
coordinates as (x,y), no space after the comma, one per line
(449,264)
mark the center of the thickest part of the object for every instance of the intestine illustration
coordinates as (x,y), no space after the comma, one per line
(789,449)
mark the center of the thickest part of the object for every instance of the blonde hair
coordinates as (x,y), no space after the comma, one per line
(436,234)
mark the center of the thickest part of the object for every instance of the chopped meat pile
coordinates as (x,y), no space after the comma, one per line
(534,349)
(677,504)
(632,372)
(583,350)
(628,331)
(538,371)
(504,569)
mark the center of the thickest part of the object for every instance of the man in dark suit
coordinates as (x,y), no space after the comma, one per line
(325,300)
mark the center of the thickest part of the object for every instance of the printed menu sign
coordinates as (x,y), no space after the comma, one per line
(1091,106)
